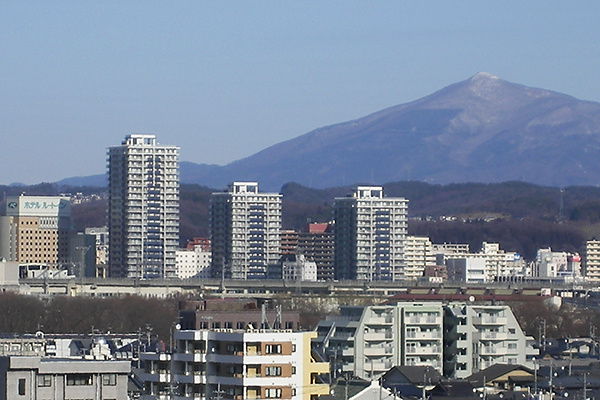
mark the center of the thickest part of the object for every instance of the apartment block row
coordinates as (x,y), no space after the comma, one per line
(456,339)
(237,364)
(366,240)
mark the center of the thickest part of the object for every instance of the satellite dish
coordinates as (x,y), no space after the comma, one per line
(471,298)
(178,326)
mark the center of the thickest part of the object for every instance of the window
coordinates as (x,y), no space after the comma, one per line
(273,349)
(293,391)
(273,393)
(293,370)
(21,388)
(293,348)
(79,379)
(109,379)
(44,380)
(273,371)
(512,346)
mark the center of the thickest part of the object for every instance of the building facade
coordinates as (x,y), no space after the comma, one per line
(23,377)
(143,208)
(36,230)
(488,265)
(238,364)
(456,339)
(298,268)
(592,260)
(245,231)
(195,260)
(316,244)
(370,234)
(418,253)
(101,237)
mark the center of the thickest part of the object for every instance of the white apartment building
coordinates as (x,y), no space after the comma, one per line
(467,269)
(237,364)
(455,339)
(554,264)
(418,253)
(30,377)
(194,263)
(143,208)
(592,260)
(464,266)
(245,231)
(370,234)
(299,269)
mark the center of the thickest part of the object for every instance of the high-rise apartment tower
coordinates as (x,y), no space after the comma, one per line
(245,231)
(370,231)
(143,208)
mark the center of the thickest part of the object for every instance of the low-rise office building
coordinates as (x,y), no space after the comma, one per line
(23,377)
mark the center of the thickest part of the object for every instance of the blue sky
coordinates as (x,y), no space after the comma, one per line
(225,79)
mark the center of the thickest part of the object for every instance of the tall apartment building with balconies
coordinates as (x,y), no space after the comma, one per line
(316,244)
(370,233)
(143,208)
(368,341)
(591,260)
(418,254)
(245,231)
(238,364)
(455,339)
(479,336)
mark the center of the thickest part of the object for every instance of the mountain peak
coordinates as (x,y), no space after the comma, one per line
(483,76)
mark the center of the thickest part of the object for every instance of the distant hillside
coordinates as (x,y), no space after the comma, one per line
(483,129)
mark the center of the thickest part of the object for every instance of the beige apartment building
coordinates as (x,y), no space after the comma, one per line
(592,260)
(36,230)
(237,364)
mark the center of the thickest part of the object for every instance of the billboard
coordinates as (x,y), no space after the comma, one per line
(38,206)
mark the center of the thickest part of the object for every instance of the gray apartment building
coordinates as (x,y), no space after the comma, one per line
(370,231)
(143,208)
(245,231)
(456,339)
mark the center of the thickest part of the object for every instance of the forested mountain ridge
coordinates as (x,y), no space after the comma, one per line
(520,216)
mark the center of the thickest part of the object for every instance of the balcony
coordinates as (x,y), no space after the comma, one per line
(196,357)
(379,321)
(423,320)
(493,336)
(377,336)
(235,380)
(493,351)
(427,335)
(425,350)
(490,320)
(378,351)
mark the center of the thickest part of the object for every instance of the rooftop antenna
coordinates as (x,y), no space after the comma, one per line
(264,324)
(561,208)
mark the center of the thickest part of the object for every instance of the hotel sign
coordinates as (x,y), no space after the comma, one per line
(38,206)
